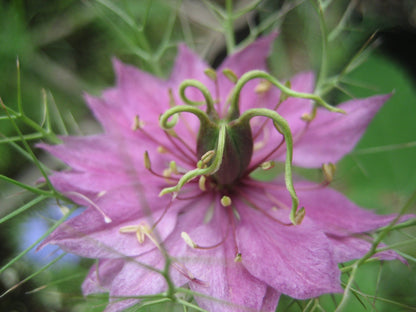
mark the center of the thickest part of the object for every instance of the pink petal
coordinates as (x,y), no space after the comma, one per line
(252,57)
(334,213)
(101,275)
(93,153)
(354,247)
(135,279)
(330,136)
(108,242)
(294,260)
(228,283)
(270,300)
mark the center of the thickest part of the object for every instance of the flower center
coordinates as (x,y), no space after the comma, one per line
(238,149)
(225,146)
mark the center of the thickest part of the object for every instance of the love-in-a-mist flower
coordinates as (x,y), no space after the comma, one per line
(168,185)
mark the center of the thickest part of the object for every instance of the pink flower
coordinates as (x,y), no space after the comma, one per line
(229,236)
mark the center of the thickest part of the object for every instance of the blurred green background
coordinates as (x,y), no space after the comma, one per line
(65,48)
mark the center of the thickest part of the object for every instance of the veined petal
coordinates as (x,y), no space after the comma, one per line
(93,153)
(109,241)
(101,275)
(348,248)
(228,284)
(252,57)
(270,300)
(294,260)
(330,136)
(334,213)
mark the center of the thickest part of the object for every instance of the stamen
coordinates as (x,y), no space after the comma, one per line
(210,170)
(107,219)
(161,150)
(163,146)
(310,116)
(166,175)
(231,76)
(185,236)
(226,201)
(231,219)
(300,214)
(211,73)
(170,134)
(206,158)
(173,168)
(237,257)
(146,158)
(181,269)
(142,231)
(256,207)
(172,102)
(188,240)
(201,183)
(263,86)
(329,171)
(137,123)
(267,165)
(101,194)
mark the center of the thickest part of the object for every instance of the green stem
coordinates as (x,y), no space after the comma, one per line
(166,124)
(205,92)
(234,107)
(324,53)
(282,126)
(229,26)
(23,208)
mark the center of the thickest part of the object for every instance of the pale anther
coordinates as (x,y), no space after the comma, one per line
(173,168)
(201,183)
(263,86)
(226,201)
(141,230)
(329,171)
(237,257)
(231,76)
(101,194)
(161,150)
(137,123)
(172,102)
(206,158)
(212,74)
(300,214)
(188,240)
(267,165)
(146,159)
